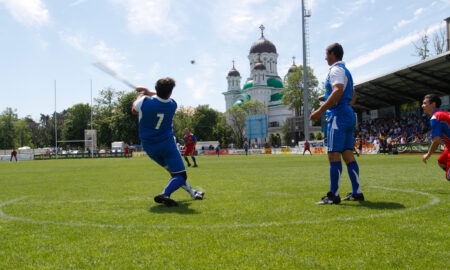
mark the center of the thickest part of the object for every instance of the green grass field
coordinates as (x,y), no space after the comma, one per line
(259,212)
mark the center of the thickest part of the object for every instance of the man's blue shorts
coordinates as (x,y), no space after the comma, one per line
(166,154)
(340,134)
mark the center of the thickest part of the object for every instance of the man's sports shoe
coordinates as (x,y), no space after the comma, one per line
(354,197)
(330,199)
(195,166)
(163,198)
(189,164)
(199,195)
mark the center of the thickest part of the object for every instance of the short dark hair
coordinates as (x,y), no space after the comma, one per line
(434,98)
(164,87)
(337,50)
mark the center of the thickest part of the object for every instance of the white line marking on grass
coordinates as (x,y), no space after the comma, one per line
(139,227)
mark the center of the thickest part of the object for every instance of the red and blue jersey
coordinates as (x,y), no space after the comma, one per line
(440,126)
(190,140)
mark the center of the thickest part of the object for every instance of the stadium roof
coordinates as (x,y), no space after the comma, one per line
(405,85)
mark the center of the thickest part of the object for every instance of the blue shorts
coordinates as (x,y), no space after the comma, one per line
(340,134)
(166,154)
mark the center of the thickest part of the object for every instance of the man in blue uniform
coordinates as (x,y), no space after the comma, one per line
(156,111)
(339,98)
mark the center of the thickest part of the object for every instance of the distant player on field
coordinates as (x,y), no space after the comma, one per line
(156,111)
(246,148)
(339,98)
(13,155)
(218,150)
(440,128)
(307,148)
(189,142)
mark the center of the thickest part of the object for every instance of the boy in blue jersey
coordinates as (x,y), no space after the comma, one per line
(156,111)
(339,98)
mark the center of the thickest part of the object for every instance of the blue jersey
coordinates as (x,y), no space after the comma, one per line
(155,118)
(342,107)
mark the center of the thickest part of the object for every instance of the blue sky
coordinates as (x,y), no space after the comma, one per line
(43,41)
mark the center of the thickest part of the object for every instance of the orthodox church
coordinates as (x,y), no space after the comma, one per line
(264,84)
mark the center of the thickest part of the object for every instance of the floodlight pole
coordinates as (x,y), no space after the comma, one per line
(56,127)
(305,79)
(92,138)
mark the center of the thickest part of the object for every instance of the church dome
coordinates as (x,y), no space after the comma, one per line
(263,45)
(233,72)
(293,67)
(259,66)
(273,82)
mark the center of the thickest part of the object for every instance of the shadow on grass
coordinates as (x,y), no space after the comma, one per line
(182,208)
(375,205)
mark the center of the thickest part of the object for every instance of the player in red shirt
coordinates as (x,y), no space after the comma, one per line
(13,154)
(307,148)
(127,151)
(189,142)
(440,128)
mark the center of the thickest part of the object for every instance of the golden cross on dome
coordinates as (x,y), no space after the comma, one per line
(262,30)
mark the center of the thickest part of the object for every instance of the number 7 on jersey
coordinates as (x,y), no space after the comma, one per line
(161,117)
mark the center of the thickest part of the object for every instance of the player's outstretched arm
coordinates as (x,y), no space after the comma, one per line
(435,142)
(144,91)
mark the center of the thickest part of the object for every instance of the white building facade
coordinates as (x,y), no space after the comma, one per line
(263,84)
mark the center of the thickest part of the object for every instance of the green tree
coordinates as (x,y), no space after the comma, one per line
(124,124)
(286,134)
(422,47)
(237,118)
(103,111)
(23,136)
(222,131)
(203,123)
(253,107)
(293,93)
(181,120)
(8,118)
(77,120)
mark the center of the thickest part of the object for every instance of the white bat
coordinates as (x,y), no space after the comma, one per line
(114,74)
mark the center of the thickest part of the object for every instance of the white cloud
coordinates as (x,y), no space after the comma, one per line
(418,11)
(77,2)
(336,25)
(236,19)
(405,21)
(31,13)
(154,16)
(389,48)
(402,23)
(97,48)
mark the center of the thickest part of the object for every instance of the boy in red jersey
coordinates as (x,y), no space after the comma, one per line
(307,147)
(440,128)
(189,142)
(13,155)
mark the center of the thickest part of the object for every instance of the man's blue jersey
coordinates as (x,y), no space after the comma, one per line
(341,117)
(155,118)
(342,107)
